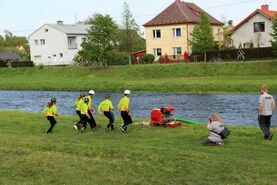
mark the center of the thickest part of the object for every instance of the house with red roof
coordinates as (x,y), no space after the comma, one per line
(254,30)
(170,31)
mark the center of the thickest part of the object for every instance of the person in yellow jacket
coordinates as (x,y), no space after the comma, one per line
(78,104)
(91,122)
(123,108)
(106,107)
(50,112)
(85,117)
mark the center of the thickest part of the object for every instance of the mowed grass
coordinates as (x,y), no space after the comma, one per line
(229,77)
(142,156)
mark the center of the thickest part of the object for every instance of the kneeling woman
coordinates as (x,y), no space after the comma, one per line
(50,112)
(215,126)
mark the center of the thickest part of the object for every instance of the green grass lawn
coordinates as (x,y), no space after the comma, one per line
(227,77)
(142,156)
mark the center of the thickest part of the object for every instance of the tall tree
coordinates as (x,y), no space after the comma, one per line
(130,33)
(274,36)
(202,36)
(100,39)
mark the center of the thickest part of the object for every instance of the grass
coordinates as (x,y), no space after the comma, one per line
(181,78)
(142,156)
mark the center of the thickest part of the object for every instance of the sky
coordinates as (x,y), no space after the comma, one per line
(22,17)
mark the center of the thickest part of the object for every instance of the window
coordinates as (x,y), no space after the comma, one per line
(177,51)
(177,32)
(259,26)
(157,51)
(54,55)
(61,55)
(46,30)
(72,42)
(83,40)
(156,34)
(36,42)
(42,41)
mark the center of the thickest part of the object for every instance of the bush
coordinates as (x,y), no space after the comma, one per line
(118,58)
(149,58)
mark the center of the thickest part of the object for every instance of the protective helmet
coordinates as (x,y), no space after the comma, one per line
(53,100)
(128,92)
(82,95)
(91,92)
(86,100)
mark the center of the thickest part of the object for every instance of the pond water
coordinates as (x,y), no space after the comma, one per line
(234,109)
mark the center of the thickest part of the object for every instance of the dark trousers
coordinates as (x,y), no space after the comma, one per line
(208,142)
(110,116)
(78,113)
(52,122)
(83,122)
(91,121)
(264,122)
(126,118)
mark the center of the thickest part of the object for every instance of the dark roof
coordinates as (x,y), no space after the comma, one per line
(9,56)
(180,12)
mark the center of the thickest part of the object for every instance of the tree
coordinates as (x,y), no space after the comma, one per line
(12,43)
(129,37)
(274,36)
(202,36)
(100,39)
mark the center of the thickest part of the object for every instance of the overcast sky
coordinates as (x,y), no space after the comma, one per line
(22,17)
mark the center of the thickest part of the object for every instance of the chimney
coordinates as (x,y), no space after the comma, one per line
(60,22)
(264,7)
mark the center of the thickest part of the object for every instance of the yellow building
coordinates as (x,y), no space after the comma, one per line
(170,31)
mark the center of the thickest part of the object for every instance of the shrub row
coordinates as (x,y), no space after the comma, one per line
(17,64)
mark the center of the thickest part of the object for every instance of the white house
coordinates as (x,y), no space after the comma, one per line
(56,44)
(254,30)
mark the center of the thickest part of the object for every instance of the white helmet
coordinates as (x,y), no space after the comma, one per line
(128,92)
(91,92)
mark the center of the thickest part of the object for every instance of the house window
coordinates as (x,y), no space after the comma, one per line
(36,42)
(61,55)
(157,51)
(177,51)
(83,40)
(46,30)
(177,32)
(72,42)
(259,26)
(42,41)
(156,34)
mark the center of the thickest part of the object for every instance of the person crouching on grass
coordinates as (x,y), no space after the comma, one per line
(123,108)
(106,106)
(50,112)
(215,126)
(77,105)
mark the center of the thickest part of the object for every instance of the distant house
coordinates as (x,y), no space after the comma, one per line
(170,31)
(254,30)
(9,56)
(56,44)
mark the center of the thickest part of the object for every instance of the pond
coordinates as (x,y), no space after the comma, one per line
(234,109)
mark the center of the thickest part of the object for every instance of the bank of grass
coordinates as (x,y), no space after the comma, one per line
(229,77)
(142,156)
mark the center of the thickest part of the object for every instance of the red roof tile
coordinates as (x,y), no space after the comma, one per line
(180,12)
(265,12)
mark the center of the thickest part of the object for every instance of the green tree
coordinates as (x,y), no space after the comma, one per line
(12,43)
(274,36)
(129,36)
(202,36)
(100,39)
